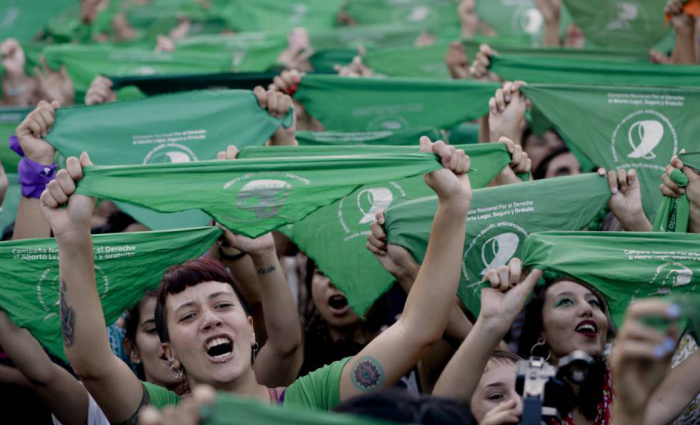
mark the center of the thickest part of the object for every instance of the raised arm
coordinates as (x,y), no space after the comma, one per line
(684,29)
(59,390)
(678,389)
(427,310)
(626,200)
(110,381)
(692,190)
(500,304)
(36,169)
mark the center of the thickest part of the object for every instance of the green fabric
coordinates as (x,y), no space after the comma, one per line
(409,136)
(275,15)
(160,397)
(10,118)
(319,390)
(418,62)
(690,306)
(11,203)
(624,127)
(674,213)
(353,104)
(620,23)
(152,85)
(24,19)
(506,49)
(247,52)
(84,63)
(324,61)
(500,218)
(581,71)
(335,236)
(622,266)
(427,13)
(369,36)
(463,134)
(250,196)
(517,17)
(188,126)
(126,266)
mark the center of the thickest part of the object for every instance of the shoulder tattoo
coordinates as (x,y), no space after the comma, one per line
(67,317)
(367,374)
(134,419)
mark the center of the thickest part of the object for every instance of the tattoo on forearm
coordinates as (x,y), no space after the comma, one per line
(266,270)
(367,374)
(67,318)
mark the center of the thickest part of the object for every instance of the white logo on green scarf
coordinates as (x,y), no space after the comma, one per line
(388,122)
(170,153)
(644,136)
(129,69)
(667,277)
(527,18)
(415,14)
(48,287)
(11,16)
(264,198)
(299,12)
(626,13)
(357,211)
(493,247)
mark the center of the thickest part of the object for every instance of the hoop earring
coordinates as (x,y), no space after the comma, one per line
(177,374)
(541,343)
(254,352)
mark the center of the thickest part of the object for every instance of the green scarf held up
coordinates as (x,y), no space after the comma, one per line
(431,14)
(274,15)
(499,220)
(414,62)
(623,127)
(620,23)
(622,266)
(674,213)
(84,63)
(517,17)
(229,409)
(175,128)
(571,70)
(126,266)
(250,196)
(153,85)
(24,19)
(407,137)
(508,48)
(353,104)
(335,236)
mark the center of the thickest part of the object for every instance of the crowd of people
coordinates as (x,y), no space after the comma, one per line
(460,289)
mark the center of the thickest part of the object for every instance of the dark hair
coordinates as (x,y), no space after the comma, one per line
(591,392)
(178,278)
(401,406)
(131,325)
(541,170)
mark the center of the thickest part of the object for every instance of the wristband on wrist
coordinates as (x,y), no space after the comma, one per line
(34,177)
(234,257)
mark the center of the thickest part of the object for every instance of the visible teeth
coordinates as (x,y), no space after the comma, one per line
(217,341)
(586,328)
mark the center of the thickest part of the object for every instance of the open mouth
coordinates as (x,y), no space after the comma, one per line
(219,349)
(587,328)
(338,304)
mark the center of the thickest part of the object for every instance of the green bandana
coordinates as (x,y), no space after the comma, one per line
(352,104)
(418,62)
(690,306)
(10,118)
(247,411)
(499,220)
(275,15)
(152,85)
(250,196)
(126,266)
(508,49)
(246,52)
(405,137)
(335,236)
(370,36)
(624,127)
(11,203)
(325,61)
(674,213)
(515,17)
(24,19)
(410,13)
(582,71)
(622,266)
(84,63)
(188,127)
(620,23)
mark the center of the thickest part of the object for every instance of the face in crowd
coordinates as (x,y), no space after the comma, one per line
(332,304)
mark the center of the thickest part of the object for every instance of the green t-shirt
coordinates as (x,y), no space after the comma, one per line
(319,390)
